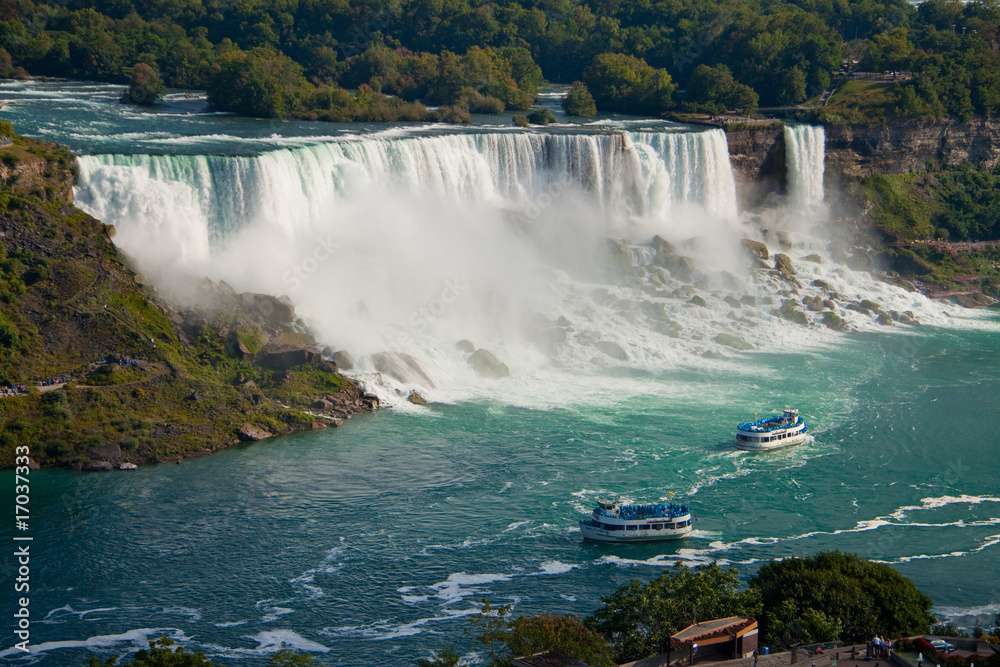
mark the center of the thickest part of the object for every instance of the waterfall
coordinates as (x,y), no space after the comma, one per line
(805,153)
(193,201)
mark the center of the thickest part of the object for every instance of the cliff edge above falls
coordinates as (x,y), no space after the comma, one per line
(853,152)
(96,371)
(914,198)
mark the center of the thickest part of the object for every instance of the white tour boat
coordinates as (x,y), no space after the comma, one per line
(614,521)
(782,430)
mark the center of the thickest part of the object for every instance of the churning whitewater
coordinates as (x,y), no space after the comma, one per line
(556,252)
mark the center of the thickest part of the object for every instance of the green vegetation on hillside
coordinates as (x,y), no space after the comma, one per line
(93,368)
(942,227)
(302,57)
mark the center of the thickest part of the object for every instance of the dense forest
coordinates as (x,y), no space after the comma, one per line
(362,59)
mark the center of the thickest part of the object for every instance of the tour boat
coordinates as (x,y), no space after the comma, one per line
(774,432)
(615,521)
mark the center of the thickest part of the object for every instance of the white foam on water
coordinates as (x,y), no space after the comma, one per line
(133,640)
(385,630)
(460,585)
(937,502)
(332,563)
(555,567)
(57,615)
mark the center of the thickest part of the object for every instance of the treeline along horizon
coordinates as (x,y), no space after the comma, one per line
(374,60)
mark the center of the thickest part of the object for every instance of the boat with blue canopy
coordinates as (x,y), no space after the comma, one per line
(617,521)
(775,432)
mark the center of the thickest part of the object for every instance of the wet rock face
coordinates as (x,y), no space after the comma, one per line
(487,365)
(854,150)
(783,264)
(732,341)
(613,350)
(251,433)
(755,248)
(790,311)
(416,398)
(834,321)
(343,359)
(284,358)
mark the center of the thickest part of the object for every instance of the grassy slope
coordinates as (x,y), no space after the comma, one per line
(860,102)
(926,217)
(67,299)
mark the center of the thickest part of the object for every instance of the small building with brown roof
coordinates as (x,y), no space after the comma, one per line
(718,639)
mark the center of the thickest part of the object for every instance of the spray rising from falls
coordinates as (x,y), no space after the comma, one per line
(805,156)
(559,253)
(190,202)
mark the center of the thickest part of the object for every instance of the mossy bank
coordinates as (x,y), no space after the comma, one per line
(97,372)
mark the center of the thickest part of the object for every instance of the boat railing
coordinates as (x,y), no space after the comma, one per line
(768,424)
(649,511)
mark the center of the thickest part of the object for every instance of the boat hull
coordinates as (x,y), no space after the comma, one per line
(595,534)
(791,441)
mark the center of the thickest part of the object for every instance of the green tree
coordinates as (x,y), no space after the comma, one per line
(261,82)
(565,636)
(802,596)
(638,619)
(793,87)
(714,89)
(145,86)
(164,653)
(579,101)
(620,82)
(541,117)
(288,658)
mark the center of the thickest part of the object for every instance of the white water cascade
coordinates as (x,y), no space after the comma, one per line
(805,153)
(536,246)
(191,202)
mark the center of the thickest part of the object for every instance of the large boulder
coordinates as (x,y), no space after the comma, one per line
(834,321)
(612,349)
(285,358)
(343,359)
(251,433)
(663,247)
(416,398)
(402,367)
(487,365)
(790,311)
(974,300)
(733,341)
(755,248)
(783,264)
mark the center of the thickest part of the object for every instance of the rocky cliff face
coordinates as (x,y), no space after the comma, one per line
(757,151)
(858,151)
(98,372)
(757,154)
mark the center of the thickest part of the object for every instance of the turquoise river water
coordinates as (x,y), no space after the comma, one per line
(372,544)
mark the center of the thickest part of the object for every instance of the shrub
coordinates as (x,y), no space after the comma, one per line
(579,101)
(624,83)
(145,86)
(541,117)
